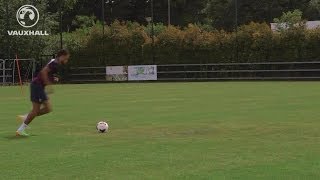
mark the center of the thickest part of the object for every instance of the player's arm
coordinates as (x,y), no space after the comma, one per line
(45,75)
(56,79)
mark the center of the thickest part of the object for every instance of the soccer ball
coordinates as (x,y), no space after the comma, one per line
(102,127)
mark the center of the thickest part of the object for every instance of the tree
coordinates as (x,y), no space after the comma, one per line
(83,21)
(222,13)
(315,4)
(184,12)
(219,13)
(290,20)
(24,46)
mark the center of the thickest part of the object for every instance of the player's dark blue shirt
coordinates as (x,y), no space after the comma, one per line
(53,69)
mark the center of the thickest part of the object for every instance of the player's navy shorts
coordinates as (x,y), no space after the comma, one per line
(38,94)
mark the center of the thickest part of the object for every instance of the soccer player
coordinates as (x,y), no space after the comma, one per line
(40,87)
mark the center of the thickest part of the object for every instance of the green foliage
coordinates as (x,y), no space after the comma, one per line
(254,42)
(315,4)
(222,13)
(219,13)
(158,28)
(126,43)
(83,21)
(205,26)
(290,20)
(121,43)
(24,46)
(169,44)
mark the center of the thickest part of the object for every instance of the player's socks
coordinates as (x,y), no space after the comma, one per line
(21,133)
(22,127)
(22,118)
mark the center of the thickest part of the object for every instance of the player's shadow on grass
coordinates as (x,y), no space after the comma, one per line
(13,137)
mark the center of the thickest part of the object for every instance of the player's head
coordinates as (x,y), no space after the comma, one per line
(63,56)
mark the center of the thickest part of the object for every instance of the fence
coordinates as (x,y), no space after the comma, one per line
(241,71)
(87,74)
(212,72)
(9,69)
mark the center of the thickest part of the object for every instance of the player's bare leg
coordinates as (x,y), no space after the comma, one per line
(33,113)
(45,109)
(36,111)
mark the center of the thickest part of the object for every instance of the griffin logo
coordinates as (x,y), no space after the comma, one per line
(27,16)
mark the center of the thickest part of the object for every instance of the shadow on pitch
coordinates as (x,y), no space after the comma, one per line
(14,137)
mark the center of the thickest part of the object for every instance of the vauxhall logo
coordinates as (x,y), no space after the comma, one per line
(27,16)
(28,33)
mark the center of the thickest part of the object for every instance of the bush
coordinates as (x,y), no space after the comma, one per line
(125,43)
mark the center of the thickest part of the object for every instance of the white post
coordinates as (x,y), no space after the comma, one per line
(169,12)
(3,70)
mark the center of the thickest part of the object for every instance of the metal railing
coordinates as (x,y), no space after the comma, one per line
(8,70)
(240,71)
(212,72)
(87,74)
(2,71)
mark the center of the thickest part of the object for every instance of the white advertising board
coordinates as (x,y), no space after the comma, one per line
(142,73)
(117,73)
(115,70)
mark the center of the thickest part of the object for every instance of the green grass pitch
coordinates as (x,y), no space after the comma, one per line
(229,130)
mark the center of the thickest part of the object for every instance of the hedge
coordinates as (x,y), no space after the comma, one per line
(125,43)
